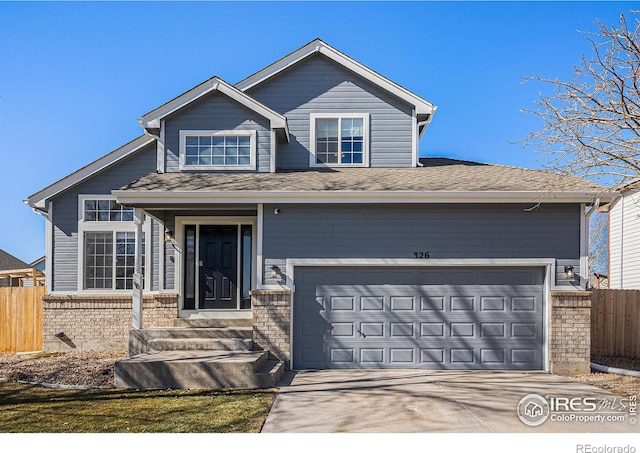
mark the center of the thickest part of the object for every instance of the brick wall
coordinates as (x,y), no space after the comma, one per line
(100,323)
(272,322)
(570,342)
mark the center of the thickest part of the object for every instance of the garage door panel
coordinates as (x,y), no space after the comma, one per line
(411,324)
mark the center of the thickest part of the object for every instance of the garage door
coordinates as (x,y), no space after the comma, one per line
(418,318)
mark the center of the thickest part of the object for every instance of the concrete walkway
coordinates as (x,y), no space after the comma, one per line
(331,401)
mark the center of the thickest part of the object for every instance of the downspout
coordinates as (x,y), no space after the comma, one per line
(587,218)
(424,123)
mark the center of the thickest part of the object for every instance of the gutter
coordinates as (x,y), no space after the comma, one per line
(38,211)
(131,197)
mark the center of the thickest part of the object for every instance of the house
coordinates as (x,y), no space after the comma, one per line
(15,272)
(293,205)
(624,238)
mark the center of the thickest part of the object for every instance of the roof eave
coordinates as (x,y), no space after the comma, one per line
(141,197)
(152,120)
(40,199)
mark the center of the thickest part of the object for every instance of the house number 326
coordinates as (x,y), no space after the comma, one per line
(421,255)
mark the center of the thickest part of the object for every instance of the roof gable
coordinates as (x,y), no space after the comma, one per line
(422,106)
(151,120)
(39,199)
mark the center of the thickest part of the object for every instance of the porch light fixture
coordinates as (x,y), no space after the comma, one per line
(569,271)
(168,235)
(276,211)
(275,271)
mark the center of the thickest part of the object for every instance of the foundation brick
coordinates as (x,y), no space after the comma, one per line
(100,323)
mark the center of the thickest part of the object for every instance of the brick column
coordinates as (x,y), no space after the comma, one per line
(272,322)
(570,342)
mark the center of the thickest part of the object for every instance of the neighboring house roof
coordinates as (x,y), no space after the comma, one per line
(39,264)
(625,187)
(39,199)
(438,179)
(151,120)
(9,262)
(423,107)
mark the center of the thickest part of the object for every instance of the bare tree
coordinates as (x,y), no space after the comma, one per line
(591,125)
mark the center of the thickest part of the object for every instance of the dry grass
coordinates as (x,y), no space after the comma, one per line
(34,409)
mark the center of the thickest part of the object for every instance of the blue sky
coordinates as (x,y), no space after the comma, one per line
(76,76)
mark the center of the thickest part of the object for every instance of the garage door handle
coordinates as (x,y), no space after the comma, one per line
(361,334)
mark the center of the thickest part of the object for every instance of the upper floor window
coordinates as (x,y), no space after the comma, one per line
(339,139)
(218,150)
(106,211)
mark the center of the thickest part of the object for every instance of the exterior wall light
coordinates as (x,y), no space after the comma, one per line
(168,235)
(569,271)
(275,271)
(276,211)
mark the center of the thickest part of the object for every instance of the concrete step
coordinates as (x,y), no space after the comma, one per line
(197,369)
(213,322)
(270,373)
(139,338)
(203,344)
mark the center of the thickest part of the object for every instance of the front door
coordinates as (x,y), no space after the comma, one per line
(218,267)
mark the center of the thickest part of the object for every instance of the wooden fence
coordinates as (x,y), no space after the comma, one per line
(615,322)
(21,319)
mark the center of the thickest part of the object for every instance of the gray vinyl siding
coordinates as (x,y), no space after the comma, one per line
(445,231)
(318,85)
(220,113)
(65,213)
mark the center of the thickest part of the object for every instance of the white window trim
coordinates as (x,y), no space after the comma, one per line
(339,116)
(229,133)
(109,226)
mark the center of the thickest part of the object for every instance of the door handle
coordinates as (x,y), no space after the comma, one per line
(200,263)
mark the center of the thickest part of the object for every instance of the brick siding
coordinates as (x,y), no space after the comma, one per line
(100,323)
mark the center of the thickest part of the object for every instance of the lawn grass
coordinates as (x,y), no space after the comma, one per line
(33,409)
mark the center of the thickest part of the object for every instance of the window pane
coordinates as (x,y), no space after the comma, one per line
(189,267)
(246,266)
(97,260)
(190,140)
(218,147)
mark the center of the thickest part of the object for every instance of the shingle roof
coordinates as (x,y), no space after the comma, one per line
(437,175)
(10,262)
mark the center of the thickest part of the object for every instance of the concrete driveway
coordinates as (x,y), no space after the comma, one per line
(331,401)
